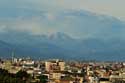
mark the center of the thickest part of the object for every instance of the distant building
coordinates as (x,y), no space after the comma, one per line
(28,63)
(55,65)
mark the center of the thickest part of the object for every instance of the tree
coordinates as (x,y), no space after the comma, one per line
(22,74)
(6,77)
(43,79)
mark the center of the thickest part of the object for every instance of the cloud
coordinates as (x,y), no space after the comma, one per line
(46,17)
(109,7)
(78,24)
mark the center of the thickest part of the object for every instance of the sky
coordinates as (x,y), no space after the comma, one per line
(109,7)
(50,16)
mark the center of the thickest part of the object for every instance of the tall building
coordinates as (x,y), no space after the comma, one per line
(55,65)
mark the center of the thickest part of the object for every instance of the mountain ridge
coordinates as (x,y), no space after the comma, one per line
(99,37)
(89,49)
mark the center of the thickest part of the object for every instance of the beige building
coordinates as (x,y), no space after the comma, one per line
(55,75)
(55,65)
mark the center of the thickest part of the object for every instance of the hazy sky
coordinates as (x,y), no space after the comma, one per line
(110,7)
(49,16)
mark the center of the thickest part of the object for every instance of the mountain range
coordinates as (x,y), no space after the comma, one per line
(62,46)
(101,38)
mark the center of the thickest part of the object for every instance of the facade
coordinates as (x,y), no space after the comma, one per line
(55,65)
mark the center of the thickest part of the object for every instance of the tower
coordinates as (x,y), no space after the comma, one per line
(12,56)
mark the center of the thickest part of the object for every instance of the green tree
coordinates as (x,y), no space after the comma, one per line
(22,74)
(43,79)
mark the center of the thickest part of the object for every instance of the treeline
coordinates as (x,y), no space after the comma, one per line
(19,77)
